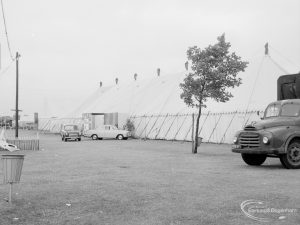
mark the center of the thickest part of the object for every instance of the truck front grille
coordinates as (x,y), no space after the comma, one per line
(249,140)
(249,127)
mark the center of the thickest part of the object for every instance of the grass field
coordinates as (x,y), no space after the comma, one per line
(137,182)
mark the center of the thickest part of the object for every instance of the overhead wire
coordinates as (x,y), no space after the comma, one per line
(253,88)
(5,27)
(2,72)
(256,79)
(287,59)
(280,67)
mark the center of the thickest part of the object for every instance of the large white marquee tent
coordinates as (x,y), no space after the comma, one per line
(158,112)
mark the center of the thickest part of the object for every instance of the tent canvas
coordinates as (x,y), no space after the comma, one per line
(158,112)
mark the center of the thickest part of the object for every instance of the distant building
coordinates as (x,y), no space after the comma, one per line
(6,121)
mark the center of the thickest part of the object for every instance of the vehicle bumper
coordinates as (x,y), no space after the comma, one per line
(259,150)
(72,137)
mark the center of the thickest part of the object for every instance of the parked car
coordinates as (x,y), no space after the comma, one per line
(70,131)
(107,131)
(277,135)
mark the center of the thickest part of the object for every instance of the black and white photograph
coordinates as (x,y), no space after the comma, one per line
(162,112)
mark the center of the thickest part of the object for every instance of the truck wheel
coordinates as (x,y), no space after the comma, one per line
(79,139)
(291,160)
(94,137)
(254,159)
(120,137)
(62,138)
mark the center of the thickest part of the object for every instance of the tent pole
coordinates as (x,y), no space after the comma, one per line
(146,125)
(203,124)
(153,125)
(161,125)
(215,127)
(228,127)
(139,123)
(171,125)
(180,127)
(187,132)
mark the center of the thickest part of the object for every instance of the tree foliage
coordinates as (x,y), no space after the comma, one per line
(213,73)
(214,70)
(129,125)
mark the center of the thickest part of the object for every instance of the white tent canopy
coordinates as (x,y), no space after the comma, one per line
(161,94)
(158,112)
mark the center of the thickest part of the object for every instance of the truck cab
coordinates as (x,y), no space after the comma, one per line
(278,133)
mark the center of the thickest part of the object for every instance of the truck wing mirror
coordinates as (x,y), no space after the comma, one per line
(261,116)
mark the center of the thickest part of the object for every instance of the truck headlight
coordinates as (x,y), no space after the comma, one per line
(67,134)
(235,140)
(266,140)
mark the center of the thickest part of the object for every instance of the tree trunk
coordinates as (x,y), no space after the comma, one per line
(197,130)
(193,126)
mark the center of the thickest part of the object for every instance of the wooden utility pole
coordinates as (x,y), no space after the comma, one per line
(0,58)
(17,95)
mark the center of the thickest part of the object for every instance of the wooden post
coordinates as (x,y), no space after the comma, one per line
(10,192)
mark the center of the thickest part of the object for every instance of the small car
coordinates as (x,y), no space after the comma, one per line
(70,131)
(107,131)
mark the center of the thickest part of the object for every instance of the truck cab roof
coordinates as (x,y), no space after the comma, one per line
(286,101)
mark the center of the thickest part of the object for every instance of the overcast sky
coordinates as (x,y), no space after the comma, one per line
(68,46)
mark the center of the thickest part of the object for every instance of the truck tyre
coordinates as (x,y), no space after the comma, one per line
(120,137)
(62,138)
(291,160)
(94,137)
(79,139)
(254,159)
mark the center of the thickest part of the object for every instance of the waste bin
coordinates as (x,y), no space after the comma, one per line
(199,141)
(12,168)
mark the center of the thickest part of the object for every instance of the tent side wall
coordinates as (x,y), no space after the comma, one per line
(53,125)
(214,127)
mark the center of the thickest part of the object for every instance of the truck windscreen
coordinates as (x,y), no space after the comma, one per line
(272,111)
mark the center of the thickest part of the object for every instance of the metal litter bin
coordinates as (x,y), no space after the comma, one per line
(12,168)
(199,141)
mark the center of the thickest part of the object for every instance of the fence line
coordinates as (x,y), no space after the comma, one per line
(33,144)
(25,142)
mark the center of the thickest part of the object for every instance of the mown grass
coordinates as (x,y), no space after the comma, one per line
(143,182)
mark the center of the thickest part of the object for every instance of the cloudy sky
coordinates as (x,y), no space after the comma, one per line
(68,46)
